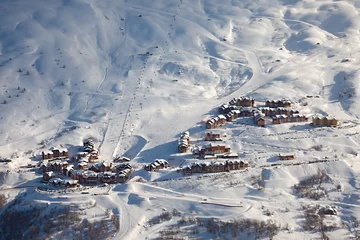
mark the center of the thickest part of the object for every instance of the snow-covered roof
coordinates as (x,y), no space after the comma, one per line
(50,174)
(56,180)
(90,173)
(71,182)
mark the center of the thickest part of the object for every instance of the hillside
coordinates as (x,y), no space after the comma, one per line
(132,75)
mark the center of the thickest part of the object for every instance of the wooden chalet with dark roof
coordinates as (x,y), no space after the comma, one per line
(210,149)
(278,103)
(324,121)
(184,142)
(243,101)
(259,119)
(55,154)
(214,167)
(158,164)
(213,136)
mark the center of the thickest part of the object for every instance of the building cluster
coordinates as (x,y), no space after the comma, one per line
(85,167)
(184,142)
(210,149)
(88,156)
(279,111)
(112,176)
(98,172)
(156,165)
(324,121)
(57,166)
(213,167)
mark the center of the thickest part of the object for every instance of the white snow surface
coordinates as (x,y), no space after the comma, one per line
(134,74)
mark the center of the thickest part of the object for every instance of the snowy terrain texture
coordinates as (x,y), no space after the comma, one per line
(134,74)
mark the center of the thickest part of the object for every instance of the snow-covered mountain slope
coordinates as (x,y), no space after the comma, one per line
(84,63)
(133,74)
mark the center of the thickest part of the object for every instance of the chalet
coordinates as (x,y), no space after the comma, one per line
(278,119)
(211,123)
(230,116)
(221,119)
(182,146)
(90,177)
(212,149)
(324,121)
(184,141)
(48,175)
(213,167)
(47,155)
(56,181)
(55,154)
(247,112)
(78,175)
(216,121)
(158,164)
(225,109)
(198,167)
(269,112)
(123,175)
(185,135)
(71,183)
(287,157)
(187,170)
(236,113)
(88,145)
(278,103)
(83,165)
(107,177)
(55,166)
(68,170)
(198,152)
(259,119)
(122,166)
(101,167)
(243,101)
(213,136)
(236,165)
(217,167)
(93,155)
(298,118)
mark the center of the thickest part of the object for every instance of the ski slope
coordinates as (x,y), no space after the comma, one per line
(134,74)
